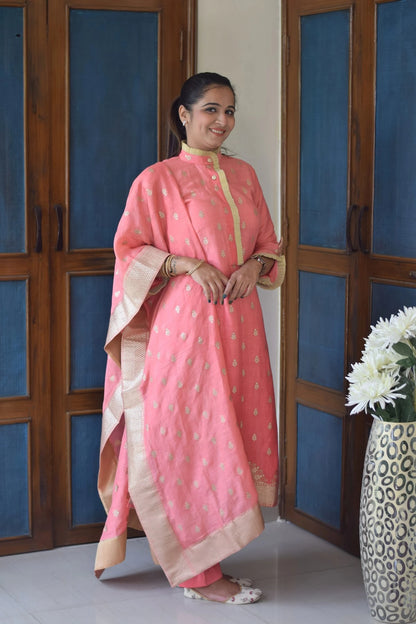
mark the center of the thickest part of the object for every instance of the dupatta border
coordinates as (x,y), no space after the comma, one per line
(137,283)
(178,563)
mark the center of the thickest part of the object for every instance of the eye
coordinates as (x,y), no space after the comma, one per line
(211,109)
(230,112)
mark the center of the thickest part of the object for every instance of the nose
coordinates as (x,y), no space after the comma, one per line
(221,119)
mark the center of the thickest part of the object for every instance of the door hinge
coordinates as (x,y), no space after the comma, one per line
(181,39)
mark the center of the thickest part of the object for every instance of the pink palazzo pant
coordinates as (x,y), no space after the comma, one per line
(205,578)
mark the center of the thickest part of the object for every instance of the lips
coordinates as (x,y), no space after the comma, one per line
(219,132)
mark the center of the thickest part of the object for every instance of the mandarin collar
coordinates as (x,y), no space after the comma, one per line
(191,154)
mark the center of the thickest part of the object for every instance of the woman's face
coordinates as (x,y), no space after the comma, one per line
(211,119)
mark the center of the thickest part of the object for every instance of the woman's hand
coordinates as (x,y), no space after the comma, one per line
(243,280)
(211,280)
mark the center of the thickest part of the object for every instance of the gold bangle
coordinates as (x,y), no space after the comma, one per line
(163,270)
(167,270)
(194,268)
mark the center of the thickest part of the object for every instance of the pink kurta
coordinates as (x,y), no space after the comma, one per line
(189,439)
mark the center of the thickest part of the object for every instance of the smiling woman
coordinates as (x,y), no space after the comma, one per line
(189,408)
(211,120)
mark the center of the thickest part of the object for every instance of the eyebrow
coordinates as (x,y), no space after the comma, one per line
(217,104)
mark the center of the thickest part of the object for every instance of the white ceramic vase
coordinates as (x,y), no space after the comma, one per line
(388,522)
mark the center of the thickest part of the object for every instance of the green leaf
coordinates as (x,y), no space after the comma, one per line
(382,413)
(406,362)
(405,410)
(403,349)
(413,342)
(388,415)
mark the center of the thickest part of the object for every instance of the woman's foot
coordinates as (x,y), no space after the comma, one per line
(220,590)
(225,591)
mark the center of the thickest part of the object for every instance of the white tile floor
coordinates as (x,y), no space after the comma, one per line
(304,579)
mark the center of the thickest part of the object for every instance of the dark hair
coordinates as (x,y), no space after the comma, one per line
(192,91)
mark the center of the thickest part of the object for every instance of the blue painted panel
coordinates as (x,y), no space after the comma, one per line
(12,162)
(395,147)
(90,311)
(319,465)
(13,339)
(113,116)
(321,329)
(325,41)
(388,299)
(14,484)
(85,451)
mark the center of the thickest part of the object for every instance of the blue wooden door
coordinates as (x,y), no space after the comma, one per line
(85,87)
(113,88)
(25,440)
(350,197)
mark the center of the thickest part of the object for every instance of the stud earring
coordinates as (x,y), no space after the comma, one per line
(184,123)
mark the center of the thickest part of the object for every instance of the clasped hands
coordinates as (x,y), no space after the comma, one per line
(218,287)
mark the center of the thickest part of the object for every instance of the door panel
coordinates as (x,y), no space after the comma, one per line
(15,514)
(319,465)
(13,339)
(113,92)
(12,143)
(321,329)
(395,144)
(86,506)
(387,299)
(324,75)
(88,328)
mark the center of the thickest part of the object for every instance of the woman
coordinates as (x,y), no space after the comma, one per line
(189,442)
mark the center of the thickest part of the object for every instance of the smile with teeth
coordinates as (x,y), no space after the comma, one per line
(217,131)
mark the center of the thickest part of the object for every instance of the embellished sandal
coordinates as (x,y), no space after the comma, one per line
(243,582)
(247,595)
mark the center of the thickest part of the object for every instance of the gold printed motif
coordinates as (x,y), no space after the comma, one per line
(267,492)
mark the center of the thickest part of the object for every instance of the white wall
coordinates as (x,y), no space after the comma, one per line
(241,40)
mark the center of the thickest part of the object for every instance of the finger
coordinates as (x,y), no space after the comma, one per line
(229,286)
(218,291)
(235,293)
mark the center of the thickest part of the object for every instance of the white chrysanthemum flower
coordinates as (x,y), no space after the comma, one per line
(385,333)
(360,372)
(405,322)
(378,361)
(373,363)
(370,391)
(378,378)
